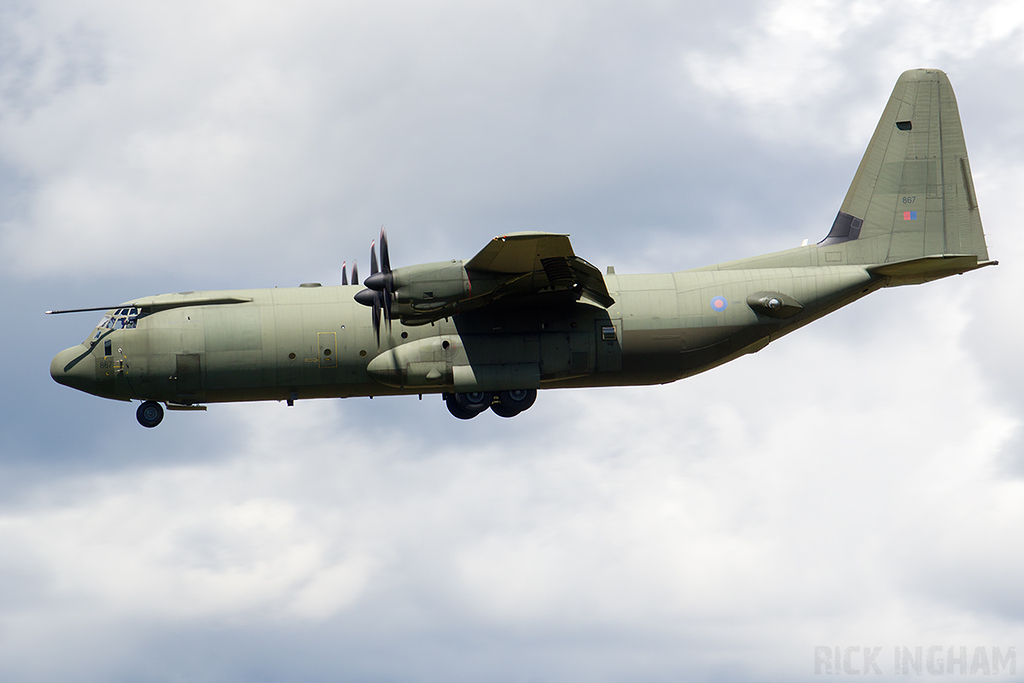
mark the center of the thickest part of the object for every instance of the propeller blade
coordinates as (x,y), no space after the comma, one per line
(387,291)
(344,274)
(355,273)
(385,259)
(376,318)
(379,293)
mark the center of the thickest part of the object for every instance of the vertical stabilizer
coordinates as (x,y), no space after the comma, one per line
(913,195)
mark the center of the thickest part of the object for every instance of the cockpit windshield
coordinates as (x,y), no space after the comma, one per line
(120,319)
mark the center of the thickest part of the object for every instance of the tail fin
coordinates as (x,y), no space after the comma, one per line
(913,195)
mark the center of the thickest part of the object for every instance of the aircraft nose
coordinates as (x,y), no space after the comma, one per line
(73,368)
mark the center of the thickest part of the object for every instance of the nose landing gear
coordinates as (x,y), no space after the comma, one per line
(149,414)
(503,403)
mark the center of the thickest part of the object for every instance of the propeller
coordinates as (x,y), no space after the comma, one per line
(355,273)
(389,279)
(380,285)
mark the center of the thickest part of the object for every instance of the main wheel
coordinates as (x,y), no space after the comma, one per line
(149,414)
(475,401)
(458,411)
(517,399)
(500,409)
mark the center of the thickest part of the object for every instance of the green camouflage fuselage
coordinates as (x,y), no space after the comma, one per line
(314,342)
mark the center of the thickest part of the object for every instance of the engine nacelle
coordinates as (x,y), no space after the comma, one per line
(430,291)
(431,286)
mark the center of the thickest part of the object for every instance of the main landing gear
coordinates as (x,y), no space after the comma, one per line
(149,414)
(504,403)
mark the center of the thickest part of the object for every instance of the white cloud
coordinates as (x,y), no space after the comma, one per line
(788,71)
(855,483)
(227,129)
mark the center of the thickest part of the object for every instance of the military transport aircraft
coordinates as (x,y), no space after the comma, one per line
(526,313)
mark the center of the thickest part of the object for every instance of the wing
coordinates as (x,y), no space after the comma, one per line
(525,263)
(524,269)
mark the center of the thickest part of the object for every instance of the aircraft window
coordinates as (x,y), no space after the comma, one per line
(121,319)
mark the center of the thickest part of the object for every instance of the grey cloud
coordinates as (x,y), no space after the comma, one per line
(717,528)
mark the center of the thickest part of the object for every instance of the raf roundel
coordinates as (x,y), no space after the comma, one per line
(719,303)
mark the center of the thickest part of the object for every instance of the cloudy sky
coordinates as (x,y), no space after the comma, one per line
(858,484)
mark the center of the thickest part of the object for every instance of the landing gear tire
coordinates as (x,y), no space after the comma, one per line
(503,411)
(149,414)
(474,401)
(458,411)
(517,400)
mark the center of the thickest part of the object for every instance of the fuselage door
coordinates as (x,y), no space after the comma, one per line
(609,344)
(187,375)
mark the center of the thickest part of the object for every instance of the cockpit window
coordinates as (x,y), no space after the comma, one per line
(120,319)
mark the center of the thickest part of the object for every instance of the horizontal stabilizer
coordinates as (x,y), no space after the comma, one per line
(928,268)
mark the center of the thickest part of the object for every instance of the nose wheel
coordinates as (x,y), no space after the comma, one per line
(149,414)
